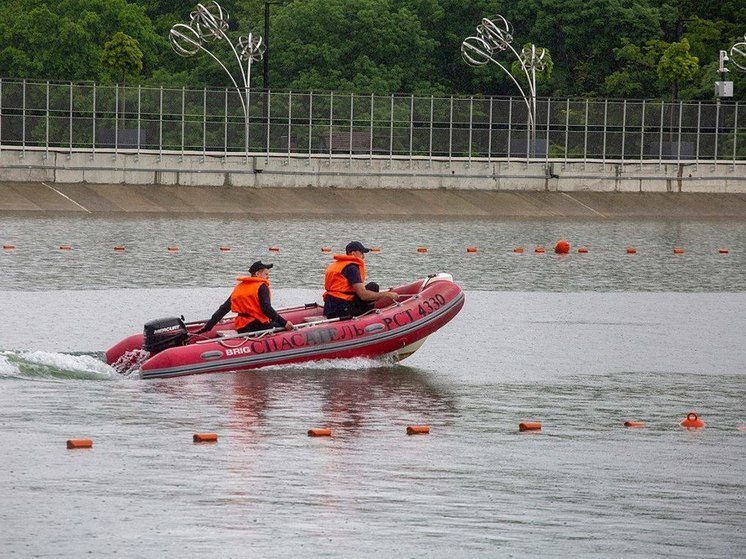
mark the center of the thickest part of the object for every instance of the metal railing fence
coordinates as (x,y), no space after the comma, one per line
(90,117)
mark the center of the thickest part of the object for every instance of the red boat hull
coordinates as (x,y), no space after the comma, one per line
(395,330)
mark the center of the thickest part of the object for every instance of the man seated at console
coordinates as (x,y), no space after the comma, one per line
(345,294)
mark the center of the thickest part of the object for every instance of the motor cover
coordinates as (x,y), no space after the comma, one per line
(164,333)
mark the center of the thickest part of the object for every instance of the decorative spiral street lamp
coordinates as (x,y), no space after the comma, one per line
(495,36)
(209,23)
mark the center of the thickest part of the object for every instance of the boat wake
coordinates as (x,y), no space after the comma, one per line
(351,364)
(43,364)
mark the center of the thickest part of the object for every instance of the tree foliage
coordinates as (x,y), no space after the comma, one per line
(620,48)
(122,56)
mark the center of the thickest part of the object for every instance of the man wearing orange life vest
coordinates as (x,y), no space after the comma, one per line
(345,294)
(250,300)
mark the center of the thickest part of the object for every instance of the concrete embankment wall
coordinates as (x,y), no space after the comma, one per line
(279,185)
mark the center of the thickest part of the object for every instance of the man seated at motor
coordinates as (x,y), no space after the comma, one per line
(251,301)
(345,293)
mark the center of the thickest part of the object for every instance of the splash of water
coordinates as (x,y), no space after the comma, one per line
(351,364)
(54,365)
(129,362)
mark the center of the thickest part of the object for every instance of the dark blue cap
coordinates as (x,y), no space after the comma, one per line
(356,245)
(259,265)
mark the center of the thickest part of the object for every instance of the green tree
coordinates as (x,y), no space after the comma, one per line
(351,45)
(677,65)
(122,56)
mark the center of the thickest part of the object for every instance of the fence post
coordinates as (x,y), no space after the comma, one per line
(678,153)
(510,126)
(93,125)
(391,131)
(370,144)
(352,117)
(624,127)
(139,112)
(183,118)
(450,133)
(331,123)
(46,131)
(489,136)
(735,134)
(411,127)
(430,147)
(1,116)
(717,128)
(225,127)
(70,129)
(116,122)
(642,134)
(567,128)
(699,121)
(310,124)
(204,123)
(23,120)
(585,136)
(660,144)
(471,125)
(290,120)
(549,117)
(603,149)
(246,126)
(269,119)
(160,123)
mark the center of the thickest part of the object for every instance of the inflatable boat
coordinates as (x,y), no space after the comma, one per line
(170,347)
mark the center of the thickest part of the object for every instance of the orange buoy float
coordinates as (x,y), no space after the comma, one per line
(539,250)
(631,250)
(562,247)
(225,249)
(418,429)
(326,249)
(65,247)
(678,251)
(421,249)
(173,249)
(634,424)
(9,247)
(723,250)
(692,421)
(518,250)
(119,248)
(375,249)
(582,250)
(319,432)
(274,249)
(529,426)
(79,443)
(471,249)
(205,437)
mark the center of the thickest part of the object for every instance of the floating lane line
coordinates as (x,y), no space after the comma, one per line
(66,197)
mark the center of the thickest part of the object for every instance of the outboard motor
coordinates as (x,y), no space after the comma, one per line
(164,333)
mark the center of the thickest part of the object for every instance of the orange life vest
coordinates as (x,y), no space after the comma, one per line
(245,301)
(335,283)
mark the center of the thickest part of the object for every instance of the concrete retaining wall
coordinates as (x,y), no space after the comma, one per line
(324,172)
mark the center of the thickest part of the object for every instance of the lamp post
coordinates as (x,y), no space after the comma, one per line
(496,35)
(209,23)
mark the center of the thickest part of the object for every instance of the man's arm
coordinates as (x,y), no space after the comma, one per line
(352,273)
(367,295)
(224,309)
(266,306)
